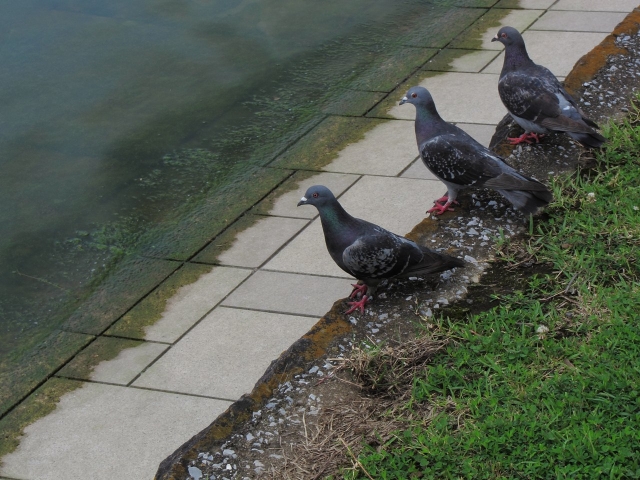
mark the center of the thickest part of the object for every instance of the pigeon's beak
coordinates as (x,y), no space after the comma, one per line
(495,39)
(303,201)
(404,100)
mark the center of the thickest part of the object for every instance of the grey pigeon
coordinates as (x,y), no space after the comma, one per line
(369,252)
(536,100)
(460,162)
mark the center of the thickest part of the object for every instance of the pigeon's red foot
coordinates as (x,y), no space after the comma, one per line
(439,209)
(358,288)
(358,305)
(526,138)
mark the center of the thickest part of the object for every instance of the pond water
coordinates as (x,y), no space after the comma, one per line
(118,115)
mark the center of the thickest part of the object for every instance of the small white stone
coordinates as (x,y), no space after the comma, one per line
(195,473)
(314,369)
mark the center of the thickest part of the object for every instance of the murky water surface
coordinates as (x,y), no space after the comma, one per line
(116,116)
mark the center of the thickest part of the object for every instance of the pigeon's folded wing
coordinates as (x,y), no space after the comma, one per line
(459,159)
(380,254)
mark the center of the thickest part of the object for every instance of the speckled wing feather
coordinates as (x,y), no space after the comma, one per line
(380,254)
(529,97)
(535,95)
(457,158)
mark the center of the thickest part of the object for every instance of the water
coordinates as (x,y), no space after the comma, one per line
(118,117)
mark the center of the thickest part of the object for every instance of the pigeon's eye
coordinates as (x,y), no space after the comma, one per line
(315,195)
(504,35)
(414,95)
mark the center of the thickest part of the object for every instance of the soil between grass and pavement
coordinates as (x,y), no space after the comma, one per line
(533,375)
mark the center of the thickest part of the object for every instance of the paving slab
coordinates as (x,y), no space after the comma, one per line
(386,149)
(597,5)
(181,307)
(461,60)
(542,47)
(482,133)
(293,293)
(418,170)
(486,27)
(122,360)
(461,97)
(253,246)
(307,253)
(285,204)
(226,353)
(564,21)
(78,440)
(128,364)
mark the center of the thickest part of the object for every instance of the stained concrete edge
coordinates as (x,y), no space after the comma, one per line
(313,345)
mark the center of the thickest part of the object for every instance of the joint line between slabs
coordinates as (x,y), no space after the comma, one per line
(145,388)
(264,310)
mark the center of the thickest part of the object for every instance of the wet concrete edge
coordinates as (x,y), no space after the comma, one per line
(313,345)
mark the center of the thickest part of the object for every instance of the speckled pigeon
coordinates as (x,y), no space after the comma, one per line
(536,100)
(460,162)
(369,252)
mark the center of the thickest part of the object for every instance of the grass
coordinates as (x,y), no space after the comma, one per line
(546,384)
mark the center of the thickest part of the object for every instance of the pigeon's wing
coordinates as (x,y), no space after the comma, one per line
(457,158)
(530,97)
(536,95)
(380,254)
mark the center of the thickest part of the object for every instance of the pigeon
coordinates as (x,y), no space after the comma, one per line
(461,162)
(536,100)
(369,252)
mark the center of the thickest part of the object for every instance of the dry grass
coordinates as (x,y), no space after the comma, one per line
(382,382)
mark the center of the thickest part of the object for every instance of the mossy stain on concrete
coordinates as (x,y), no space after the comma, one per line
(100,350)
(39,404)
(151,308)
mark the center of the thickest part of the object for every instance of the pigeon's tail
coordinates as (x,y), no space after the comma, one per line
(592,139)
(433,262)
(526,194)
(526,201)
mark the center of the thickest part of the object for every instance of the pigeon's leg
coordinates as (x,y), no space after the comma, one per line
(439,209)
(525,138)
(358,305)
(443,200)
(358,288)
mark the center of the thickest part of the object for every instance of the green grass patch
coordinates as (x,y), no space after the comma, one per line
(547,383)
